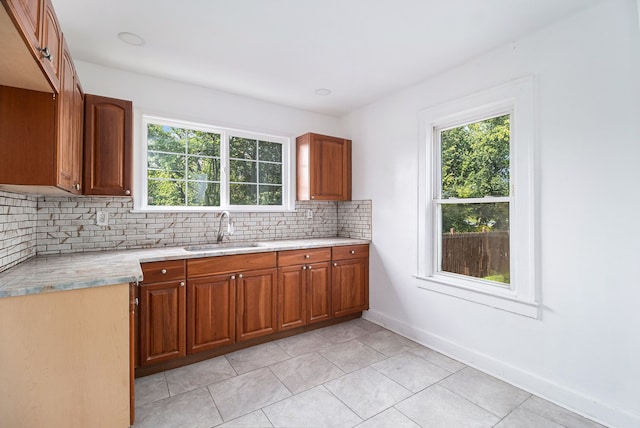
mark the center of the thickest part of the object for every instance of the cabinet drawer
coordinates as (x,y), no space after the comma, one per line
(350,252)
(163,271)
(230,264)
(299,257)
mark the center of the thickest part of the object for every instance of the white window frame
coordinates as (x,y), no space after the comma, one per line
(516,99)
(140,173)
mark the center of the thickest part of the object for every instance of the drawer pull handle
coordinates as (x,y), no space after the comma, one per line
(309,267)
(353,251)
(306,256)
(163,271)
(304,268)
(233,277)
(240,276)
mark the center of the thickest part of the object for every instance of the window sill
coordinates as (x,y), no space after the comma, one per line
(502,300)
(212,210)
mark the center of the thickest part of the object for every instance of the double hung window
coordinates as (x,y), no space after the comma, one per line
(476,223)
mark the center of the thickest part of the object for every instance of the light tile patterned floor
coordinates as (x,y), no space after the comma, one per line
(351,374)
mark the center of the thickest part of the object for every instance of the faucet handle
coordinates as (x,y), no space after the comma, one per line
(230,228)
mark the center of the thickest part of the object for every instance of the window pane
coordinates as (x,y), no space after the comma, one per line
(204,144)
(204,194)
(270,152)
(242,171)
(270,195)
(475,159)
(165,138)
(475,240)
(165,165)
(166,193)
(242,148)
(204,169)
(243,194)
(270,173)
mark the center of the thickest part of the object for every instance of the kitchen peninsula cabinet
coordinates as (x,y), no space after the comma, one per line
(304,292)
(323,168)
(108,146)
(350,279)
(162,312)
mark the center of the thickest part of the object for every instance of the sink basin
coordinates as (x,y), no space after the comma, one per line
(222,246)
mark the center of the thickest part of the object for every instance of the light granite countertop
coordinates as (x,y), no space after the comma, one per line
(43,274)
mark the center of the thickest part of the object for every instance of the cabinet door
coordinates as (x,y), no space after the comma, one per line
(292,296)
(256,304)
(28,14)
(319,292)
(162,322)
(69,148)
(51,40)
(107,146)
(211,312)
(350,284)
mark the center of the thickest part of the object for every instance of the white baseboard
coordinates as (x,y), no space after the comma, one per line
(561,395)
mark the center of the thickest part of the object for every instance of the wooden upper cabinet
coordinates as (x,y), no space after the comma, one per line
(50,48)
(323,168)
(28,13)
(108,151)
(69,147)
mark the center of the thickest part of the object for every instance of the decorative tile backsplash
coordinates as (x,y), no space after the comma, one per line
(52,225)
(17,228)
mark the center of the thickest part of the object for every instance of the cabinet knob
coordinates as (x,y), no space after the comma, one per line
(76,186)
(240,276)
(353,251)
(313,197)
(335,264)
(127,192)
(306,256)
(233,277)
(46,53)
(163,271)
(304,268)
(137,301)
(309,267)
(181,283)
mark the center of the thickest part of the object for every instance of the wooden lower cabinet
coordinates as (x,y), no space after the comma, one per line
(211,308)
(256,304)
(318,292)
(292,297)
(162,321)
(350,284)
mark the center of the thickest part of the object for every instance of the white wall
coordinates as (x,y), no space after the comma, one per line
(584,351)
(189,102)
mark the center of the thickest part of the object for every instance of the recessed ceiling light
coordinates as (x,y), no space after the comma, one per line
(323,92)
(131,38)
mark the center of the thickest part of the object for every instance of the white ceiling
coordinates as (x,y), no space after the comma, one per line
(282,50)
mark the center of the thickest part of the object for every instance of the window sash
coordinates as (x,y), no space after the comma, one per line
(224,181)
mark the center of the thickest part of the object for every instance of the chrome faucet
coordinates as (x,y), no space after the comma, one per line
(220,235)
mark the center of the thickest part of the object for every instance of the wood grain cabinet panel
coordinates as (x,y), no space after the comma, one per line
(323,168)
(51,40)
(28,13)
(319,292)
(256,304)
(108,146)
(350,285)
(162,322)
(211,312)
(292,297)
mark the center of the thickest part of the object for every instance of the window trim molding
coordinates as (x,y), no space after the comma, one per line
(521,296)
(141,118)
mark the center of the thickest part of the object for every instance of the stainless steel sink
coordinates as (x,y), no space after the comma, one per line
(222,246)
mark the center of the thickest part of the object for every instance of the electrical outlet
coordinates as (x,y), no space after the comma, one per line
(102,218)
(309,214)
